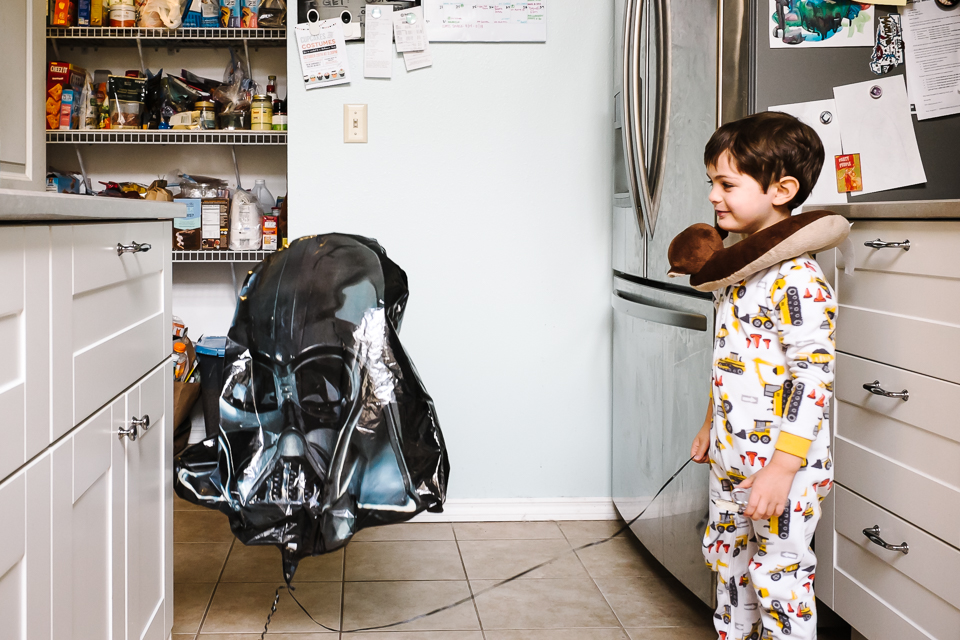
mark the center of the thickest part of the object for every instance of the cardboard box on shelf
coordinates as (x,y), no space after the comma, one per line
(63,13)
(215,222)
(61,76)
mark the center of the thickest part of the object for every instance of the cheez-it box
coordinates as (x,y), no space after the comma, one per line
(60,76)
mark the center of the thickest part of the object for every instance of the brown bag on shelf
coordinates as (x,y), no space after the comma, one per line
(185,394)
(158,191)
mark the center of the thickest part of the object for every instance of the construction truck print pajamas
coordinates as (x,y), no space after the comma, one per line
(772,384)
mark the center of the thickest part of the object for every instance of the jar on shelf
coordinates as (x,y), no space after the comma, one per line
(208,114)
(261,113)
(123,13)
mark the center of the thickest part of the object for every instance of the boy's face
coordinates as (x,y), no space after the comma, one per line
(741,203)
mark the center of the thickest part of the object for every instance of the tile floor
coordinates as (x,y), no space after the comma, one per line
(223,590)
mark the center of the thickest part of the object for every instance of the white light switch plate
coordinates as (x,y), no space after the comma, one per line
(354,123)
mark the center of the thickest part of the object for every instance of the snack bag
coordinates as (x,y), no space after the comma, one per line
(248,13)
(230,13)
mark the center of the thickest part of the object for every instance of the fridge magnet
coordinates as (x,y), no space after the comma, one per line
(848,173)
(820,23)
(888,51)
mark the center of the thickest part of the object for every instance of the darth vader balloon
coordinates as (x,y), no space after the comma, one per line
(325,426)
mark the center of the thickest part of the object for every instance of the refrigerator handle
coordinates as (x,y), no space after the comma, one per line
(662,97)
(660,315)
(627,108)
(633,90)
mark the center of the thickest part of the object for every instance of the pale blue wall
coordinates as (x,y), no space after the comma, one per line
(488,179)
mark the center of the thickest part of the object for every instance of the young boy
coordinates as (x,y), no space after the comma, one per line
(767,427)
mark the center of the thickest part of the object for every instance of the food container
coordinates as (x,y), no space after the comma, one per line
(280,122)
(208,114)
(215,222)
(126,101)
(64,13)
(261,113)
(235,120)
(270,235)
(123,13)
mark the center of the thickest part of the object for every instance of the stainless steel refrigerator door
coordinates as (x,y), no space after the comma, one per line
(662,350)
(682,90)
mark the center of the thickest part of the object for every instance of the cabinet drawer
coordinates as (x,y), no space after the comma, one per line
(888,594)
(909,493)
(921,433)
(902,307)
(95,260)
(109,314)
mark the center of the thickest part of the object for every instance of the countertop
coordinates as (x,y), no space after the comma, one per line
(30,206)
(906,210)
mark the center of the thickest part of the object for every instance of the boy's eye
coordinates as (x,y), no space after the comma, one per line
(727,185)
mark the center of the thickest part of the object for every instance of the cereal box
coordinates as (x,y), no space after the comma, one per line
(63,13)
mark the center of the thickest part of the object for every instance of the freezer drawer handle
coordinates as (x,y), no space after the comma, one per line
(875,388)
(135,247)
(136,424)
(880,244)
(873,534)
(622,303)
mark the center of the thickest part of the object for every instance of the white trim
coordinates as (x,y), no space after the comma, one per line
(517,509)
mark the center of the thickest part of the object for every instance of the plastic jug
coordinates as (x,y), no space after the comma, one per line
(261,193)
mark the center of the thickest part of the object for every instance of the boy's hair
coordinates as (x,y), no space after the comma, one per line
(768,146)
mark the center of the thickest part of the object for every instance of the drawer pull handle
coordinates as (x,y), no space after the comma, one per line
(136,424)
(875,388)
(873,534)
(880,244)
(134,247)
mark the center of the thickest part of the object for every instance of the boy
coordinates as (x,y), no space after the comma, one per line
(767,426)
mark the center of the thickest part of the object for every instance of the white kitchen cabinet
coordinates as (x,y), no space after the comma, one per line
(87,548)
(23,54)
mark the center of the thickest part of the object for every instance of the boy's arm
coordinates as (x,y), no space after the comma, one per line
(807,307)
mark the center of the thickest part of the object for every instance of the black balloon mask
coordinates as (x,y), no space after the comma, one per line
(325,426)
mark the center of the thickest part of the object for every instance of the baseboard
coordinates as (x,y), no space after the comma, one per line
(517,509)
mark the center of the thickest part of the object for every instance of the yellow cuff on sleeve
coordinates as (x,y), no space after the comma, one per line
(794,445)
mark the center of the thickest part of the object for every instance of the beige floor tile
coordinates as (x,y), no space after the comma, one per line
(673,633)
(243,608)
(506,530)
(418,635)
(184,636)
(403,560)
(591,529)
(369,604)
(651,601)
(201,526)
(499,559)
(406,531)
(189,604)
(622,557)
(557,634)
(179,504)
(198,561)
(270,636)
(262,563)
(543,604)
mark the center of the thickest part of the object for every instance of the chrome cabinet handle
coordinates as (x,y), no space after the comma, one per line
(134,247)
(875,388)
(880,244)
(136,424)
(873,534)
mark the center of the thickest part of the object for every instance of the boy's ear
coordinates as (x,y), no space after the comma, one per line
(787,188)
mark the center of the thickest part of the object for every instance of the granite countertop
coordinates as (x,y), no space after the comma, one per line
(30,206)
(906,210)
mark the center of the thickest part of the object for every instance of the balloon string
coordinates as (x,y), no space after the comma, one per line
(472,596)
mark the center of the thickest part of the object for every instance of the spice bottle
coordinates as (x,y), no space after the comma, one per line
(180,360)
(261,113)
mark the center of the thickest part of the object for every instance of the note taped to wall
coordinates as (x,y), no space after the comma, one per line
(932,38)
(486,21)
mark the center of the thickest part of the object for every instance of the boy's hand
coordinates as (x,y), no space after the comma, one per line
(700,451)
(771,486)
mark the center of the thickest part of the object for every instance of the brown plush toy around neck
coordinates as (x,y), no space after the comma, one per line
(698,250)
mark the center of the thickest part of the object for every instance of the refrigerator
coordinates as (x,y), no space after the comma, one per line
(682,68)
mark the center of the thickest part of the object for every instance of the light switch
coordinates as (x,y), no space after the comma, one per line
(354,123)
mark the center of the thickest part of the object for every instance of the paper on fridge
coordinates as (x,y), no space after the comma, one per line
(486,21)
(414,60)
(875,122)
(805,24)
(378,42)
(821,115)
(931,35)
(408,30)
(323,53)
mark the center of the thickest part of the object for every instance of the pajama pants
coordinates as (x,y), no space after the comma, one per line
(765,568)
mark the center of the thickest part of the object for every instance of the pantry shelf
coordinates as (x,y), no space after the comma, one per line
(168,136)
(220,256)
(125,37)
